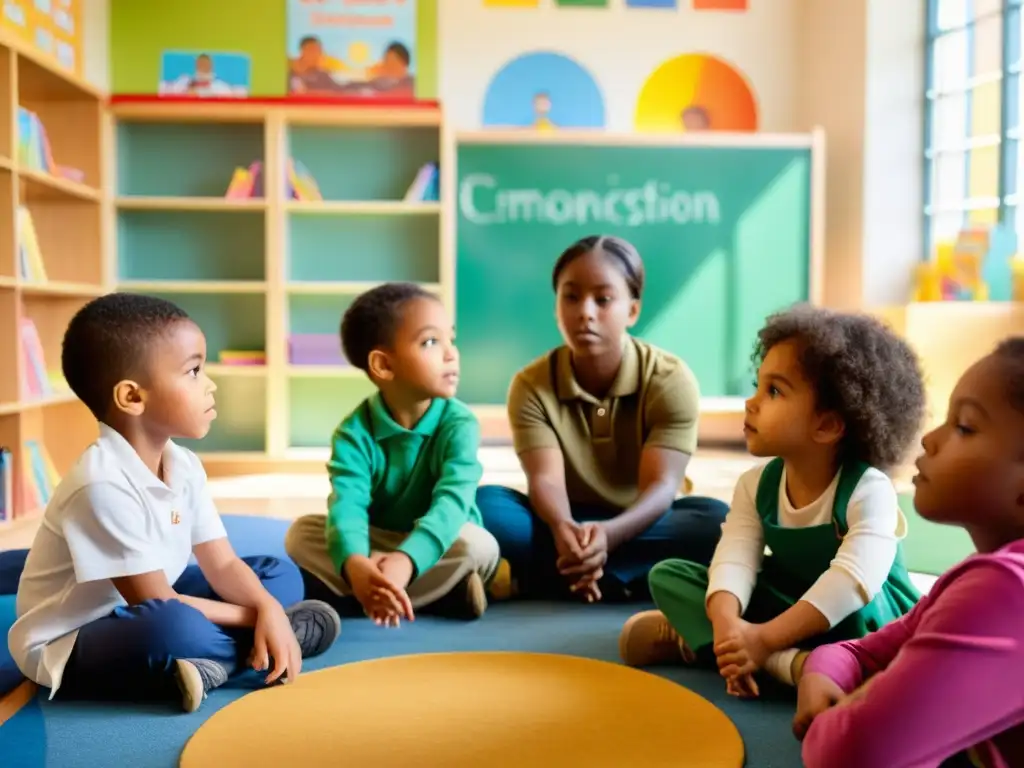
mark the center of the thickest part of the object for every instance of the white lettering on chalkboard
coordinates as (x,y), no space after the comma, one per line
(482,200)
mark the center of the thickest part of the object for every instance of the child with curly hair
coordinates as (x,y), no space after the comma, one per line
(839,400)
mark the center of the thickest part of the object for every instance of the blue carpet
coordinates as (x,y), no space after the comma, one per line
(71,735)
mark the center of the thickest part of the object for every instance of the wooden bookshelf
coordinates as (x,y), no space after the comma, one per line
(67,214)
(254,271)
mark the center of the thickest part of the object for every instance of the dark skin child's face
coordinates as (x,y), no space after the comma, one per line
(972,471)
(595,308)
(422,361)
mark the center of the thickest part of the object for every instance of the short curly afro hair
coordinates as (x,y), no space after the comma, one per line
(107,341)
(861,370)
(371,320)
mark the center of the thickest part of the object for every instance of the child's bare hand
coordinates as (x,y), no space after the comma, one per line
(742,651)
(815,694)
(744,686)
(384,616)
(378,595)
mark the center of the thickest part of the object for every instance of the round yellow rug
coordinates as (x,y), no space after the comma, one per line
(485,710)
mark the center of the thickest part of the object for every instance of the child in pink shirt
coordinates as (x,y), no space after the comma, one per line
(947,680)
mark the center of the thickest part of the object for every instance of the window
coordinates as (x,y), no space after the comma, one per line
(972,116)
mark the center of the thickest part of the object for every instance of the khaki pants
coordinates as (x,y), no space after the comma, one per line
(475,550)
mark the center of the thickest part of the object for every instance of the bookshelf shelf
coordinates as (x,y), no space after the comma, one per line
(340,288)
(143,203)
(275,273)
(193,286)
(218,370)
(39,185)
(364,208)
(325,371)
(57,288)
(53,259)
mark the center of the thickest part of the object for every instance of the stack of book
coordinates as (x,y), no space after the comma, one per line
(242,357)
(34,150)
(315,349)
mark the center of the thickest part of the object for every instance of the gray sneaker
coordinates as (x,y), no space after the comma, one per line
(316,626)
(196,678)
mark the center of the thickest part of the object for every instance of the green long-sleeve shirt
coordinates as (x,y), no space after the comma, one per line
(421,480)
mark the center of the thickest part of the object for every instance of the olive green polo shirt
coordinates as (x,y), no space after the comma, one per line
(654,400)
(421,481)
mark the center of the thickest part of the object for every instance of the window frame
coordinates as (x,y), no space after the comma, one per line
(1010,78)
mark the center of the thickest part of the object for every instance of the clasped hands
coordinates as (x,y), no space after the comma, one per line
(379,583)
(740,650)
(582,553)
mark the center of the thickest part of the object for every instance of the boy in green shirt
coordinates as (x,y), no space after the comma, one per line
(402,529)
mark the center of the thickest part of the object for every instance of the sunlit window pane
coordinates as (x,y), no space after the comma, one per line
(949,180)
(950,61)
(952,13)
(986,109)
(949,122)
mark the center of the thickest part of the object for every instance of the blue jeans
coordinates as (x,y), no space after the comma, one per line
(129,655)
(689,529)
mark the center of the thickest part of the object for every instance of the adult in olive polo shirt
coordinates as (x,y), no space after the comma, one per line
(604,427)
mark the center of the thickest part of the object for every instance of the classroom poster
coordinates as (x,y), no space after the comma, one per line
(348,48)
(543,91)
(205,74)
(53,27)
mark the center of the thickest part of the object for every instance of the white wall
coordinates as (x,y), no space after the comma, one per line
(620,47)
(862,79)
(832,42)
(893,150)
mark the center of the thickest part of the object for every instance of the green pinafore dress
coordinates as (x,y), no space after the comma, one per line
(798,556)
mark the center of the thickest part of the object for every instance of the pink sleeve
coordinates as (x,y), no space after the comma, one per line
(956,681)
(849,663)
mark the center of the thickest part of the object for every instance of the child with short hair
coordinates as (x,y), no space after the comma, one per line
(108,606)
(944,682)
(839,399)
(404,472)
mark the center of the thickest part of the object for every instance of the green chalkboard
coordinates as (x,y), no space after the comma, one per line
(724,232)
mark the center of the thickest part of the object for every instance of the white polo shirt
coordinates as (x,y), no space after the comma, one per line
(110,517)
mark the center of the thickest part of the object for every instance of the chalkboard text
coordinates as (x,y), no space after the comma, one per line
(483,201)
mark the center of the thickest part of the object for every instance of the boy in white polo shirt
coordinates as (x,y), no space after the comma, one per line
(108,606)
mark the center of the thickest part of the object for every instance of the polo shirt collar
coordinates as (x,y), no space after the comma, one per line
(627,380)
(384,426)
(132,464)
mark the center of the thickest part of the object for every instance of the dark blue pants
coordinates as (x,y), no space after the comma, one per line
(689,529)
(129,655)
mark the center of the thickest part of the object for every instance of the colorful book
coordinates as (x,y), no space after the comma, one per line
(35,378)
(6,485)
(31,267)
(40,475)
(425,186)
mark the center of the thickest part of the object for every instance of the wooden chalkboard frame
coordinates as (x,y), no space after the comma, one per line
(720,416)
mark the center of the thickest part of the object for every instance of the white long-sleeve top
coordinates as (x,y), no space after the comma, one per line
(857,572)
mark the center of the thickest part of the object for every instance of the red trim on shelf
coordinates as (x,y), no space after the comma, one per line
(278,101)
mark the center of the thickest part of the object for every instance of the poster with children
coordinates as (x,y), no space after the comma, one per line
(352,48)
